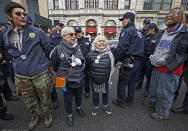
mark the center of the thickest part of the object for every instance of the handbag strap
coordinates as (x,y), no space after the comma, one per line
(70,67)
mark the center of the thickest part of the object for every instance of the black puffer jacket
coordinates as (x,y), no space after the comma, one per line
(61,63)
(99,71)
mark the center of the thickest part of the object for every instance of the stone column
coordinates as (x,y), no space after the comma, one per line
(43,7)
(61,4)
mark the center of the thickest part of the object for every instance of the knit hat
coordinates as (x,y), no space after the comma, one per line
(12,5)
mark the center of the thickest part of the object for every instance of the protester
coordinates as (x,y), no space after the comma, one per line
(6,67)
(100,66)
(168,61)
(3,107)
(29,47)
(68,62)
(130,51)
(184,108)
(85,46)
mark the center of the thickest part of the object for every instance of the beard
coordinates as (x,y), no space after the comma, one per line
(170,23)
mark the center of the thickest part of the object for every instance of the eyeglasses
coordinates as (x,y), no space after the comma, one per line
(71,34)
(21,13)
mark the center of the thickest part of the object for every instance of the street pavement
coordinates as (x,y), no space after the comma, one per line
(135,118)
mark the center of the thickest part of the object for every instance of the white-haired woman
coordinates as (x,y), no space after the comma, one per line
(65,55)
(100,66)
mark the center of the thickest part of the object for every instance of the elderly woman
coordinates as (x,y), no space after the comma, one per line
(68,61)
(100,66)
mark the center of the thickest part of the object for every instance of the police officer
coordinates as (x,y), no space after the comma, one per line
(85,46)
(130,50)
(149,46)
(146,22)
(141,72)
(55,36)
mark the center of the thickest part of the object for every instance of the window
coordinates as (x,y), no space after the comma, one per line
(56,21)
(53,4)
(157,4)
(72,4)
(160,24)
(72,23)
(91,3)
(33,7)
(110,23)
(110,4)
(127,4)
(184,4)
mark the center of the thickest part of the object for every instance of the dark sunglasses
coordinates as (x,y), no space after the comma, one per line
(21,13)
(71,34)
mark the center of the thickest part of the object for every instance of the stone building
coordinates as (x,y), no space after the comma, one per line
(102,16)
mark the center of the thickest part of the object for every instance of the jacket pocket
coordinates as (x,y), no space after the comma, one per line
(182,47)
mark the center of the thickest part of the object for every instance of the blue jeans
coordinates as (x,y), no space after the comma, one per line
(96,95)
(162,88)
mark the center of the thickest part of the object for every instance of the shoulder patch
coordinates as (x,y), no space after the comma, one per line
(86,43)
(139,34)
(122,34)
(62,55)
(32,35)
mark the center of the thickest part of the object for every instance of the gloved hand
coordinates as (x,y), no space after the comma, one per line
(78,62)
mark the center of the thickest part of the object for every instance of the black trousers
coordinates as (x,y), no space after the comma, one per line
(77,92)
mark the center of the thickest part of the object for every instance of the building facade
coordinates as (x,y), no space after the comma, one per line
(102,16)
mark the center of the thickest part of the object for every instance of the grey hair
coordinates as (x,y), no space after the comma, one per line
(98,38)
(66,30)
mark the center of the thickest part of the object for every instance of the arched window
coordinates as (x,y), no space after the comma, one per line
(72,4)
(91,23)
(110,4)
(91,3)
(110,23)
(110,29)
(72,23)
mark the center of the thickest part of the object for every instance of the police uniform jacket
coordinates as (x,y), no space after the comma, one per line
(84,44)
(150,44)
(98,69)
(131,43)
(33,57)
(55,38)
(61,63)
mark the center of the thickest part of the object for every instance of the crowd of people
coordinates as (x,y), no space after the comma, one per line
(31,59)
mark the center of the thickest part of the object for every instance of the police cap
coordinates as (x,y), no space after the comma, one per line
(147,21)
(128,15)
(151,26)
(78,29)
